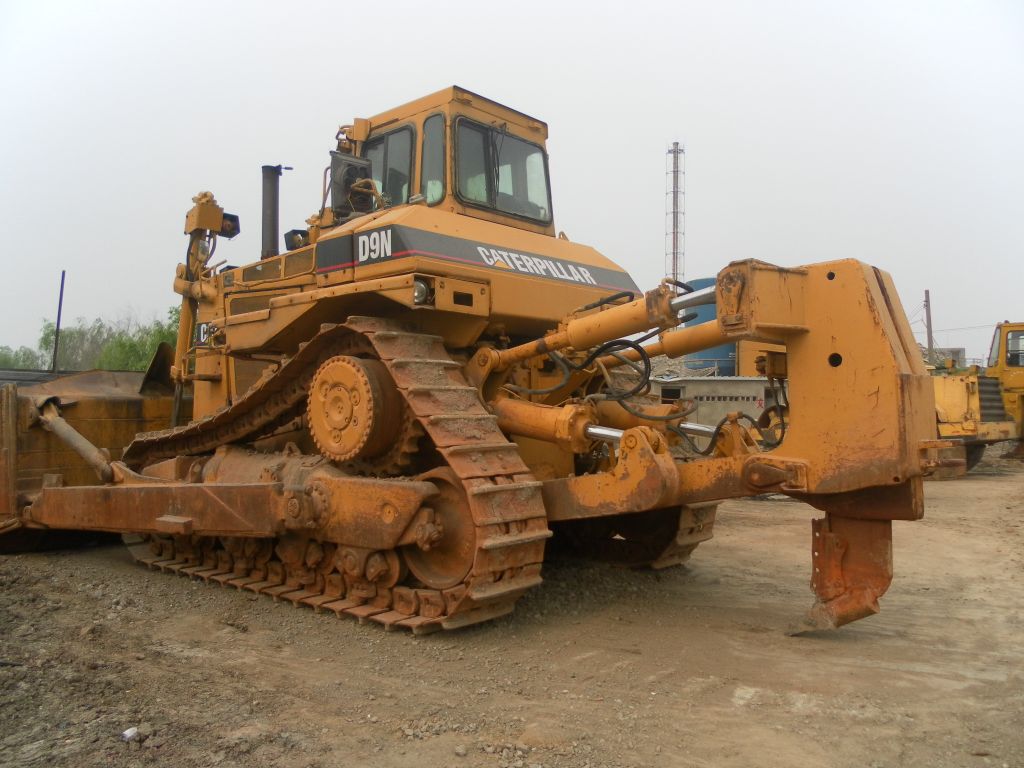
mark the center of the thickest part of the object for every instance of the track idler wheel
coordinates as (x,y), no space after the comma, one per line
(354,408)
(446,545)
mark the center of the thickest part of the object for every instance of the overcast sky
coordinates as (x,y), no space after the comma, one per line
(892,132)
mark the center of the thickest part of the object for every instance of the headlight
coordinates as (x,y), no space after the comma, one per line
(420,291)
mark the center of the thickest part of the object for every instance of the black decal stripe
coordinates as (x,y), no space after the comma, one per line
(414,242)
(335,253)
(445,257)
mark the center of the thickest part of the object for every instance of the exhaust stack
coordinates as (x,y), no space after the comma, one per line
(271,209)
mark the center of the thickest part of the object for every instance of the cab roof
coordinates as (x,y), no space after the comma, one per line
(457,95)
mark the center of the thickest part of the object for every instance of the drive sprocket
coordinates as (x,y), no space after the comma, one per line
(385,439)
(353,408)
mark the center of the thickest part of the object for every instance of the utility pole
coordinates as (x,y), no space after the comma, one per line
(928,326)
(56,331)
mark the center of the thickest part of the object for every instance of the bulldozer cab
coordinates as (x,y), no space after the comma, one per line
(453,149)
(1006,357)
(1006,365)
(1007,346)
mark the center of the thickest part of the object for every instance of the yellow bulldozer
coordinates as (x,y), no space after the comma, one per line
(390,419)
(975,409)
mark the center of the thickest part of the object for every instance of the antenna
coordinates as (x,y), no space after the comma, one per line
(675,211)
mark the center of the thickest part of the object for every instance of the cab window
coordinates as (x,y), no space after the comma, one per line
(432,168)
(522,178)
(497,170)
(1015,348)
(472,164)
(390,159)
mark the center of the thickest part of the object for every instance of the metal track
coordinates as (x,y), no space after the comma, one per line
(509,519)
(272,400)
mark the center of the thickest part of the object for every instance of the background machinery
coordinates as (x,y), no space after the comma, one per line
(977,408)
(390,419)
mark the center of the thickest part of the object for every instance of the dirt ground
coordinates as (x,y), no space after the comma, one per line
(599,667)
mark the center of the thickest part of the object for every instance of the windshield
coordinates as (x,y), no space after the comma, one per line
(499,171)
(993,353)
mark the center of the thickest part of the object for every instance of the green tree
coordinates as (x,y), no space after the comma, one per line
(132,348)
(81,343)
(122,345)
(22,358)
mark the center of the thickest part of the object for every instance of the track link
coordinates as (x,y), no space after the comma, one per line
(509,520)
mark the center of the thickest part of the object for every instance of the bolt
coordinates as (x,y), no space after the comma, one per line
(388,512)
(630,441)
